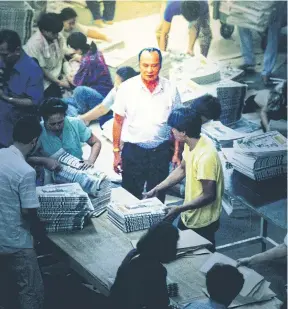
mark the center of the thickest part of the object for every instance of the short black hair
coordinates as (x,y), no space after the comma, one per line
(224,283)
(160,242)
(78,40)
(190,10)
(207,106)
(185,119)
(126,73)
(11,38)
(51,107)
(68,13)
(50,22)
(26,129)
(151,50)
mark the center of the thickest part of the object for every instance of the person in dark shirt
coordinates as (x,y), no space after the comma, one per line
(141,278)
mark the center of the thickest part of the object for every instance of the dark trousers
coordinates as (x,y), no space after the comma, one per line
(108,13)
(53,91)
(140,166)
(207,232)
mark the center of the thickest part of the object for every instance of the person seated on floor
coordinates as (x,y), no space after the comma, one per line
(21,84)
(104,111)
(208,107)
(92,81)
(62,132)
(69,19)
(47,46)
(141,279)
(224,283)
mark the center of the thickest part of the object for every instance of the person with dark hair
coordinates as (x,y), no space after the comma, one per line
(21,84)
(204,177)
(208,107)
(224,283)
(93,81)
(104,111)
(141,279)
(108,13)
(197,14)
(47,46)
(19,223)
(70,25)
(63,132)
(141,108)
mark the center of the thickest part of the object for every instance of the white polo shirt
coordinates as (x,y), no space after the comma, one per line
(146,113)
(17,191)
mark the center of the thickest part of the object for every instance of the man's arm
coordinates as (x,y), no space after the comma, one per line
(191,40)
(164,35)
(117,129)
(19,102)
(37,227)
(95,144)
(48,163)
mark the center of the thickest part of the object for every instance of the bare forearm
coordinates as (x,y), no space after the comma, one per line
(95,113)
(50,77)
(36,160)
(199,202)
(175,177)
(277,252)
(95,150)
(19,102)
(117,128)
(192,38)
(265,120)
(163,41)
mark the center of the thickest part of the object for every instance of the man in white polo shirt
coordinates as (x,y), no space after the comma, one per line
(142,106)
(19,221)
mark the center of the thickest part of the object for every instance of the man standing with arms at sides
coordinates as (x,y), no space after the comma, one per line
(142,107)
(204,177)
(19,220)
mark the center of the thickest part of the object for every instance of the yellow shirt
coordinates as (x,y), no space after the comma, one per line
(202,163)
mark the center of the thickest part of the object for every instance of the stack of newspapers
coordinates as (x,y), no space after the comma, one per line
(136,216)
(261,156)
(63,207)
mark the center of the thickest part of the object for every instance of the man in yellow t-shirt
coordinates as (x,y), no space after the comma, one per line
(204,177)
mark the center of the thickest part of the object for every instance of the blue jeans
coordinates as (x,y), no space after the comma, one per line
(270,54)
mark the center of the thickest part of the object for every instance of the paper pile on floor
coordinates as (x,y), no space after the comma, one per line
(136,216)
(63,207)
(255,288)
(261,156)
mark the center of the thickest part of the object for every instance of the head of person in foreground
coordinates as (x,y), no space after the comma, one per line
(224,283)
(150,62)
(159,243)
(50,25)
(68,17)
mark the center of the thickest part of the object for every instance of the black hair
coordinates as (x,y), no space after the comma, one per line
(151,50)
(67,13)
(185,119)
(51,107)
(11,38)
(207,106)
(78,40)
(126,73)
(50,22)
(26,129)
(190,10)
(224,283)
(160,242)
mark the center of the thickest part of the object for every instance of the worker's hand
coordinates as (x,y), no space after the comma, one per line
(190,52)
(117,164)
(175,161)
(76,57)
(88,163)
(172,213)
(64,84)
(52,165)
(151,193)
(244,262)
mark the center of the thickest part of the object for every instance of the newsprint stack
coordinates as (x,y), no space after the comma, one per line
(136,216)
(63,207)
(261,156)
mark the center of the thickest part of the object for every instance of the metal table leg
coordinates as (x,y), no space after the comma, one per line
(263,233)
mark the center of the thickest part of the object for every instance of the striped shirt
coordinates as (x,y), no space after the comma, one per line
(17,191)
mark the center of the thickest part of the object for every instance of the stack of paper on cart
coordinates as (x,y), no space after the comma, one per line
(261,156)
(136,216)
(63,207)
(220,134)
(92,181)
(255,288)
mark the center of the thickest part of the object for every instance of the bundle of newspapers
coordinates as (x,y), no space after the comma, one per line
(254,15)
(136,216)
(261,156)
(92,181)
(63,207)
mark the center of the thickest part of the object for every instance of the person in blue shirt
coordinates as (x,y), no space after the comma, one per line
(224,283)
(21,84)
(197,14)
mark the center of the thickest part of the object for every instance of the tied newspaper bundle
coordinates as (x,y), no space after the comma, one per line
(262,156)
(93,182)
(136,216)
(255,288)
(63,207)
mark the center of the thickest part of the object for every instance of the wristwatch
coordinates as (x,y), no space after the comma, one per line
(116,149)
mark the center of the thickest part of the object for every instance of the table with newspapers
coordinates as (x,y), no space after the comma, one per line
(97,251)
